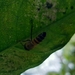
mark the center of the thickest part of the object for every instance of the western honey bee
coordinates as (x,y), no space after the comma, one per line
(31,43)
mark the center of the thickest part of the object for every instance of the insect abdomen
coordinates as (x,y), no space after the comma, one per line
(40,37)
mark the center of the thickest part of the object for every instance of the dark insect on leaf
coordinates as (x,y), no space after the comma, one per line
(30,44)
(72,7)
(38,9)
(49,5)
(64,12)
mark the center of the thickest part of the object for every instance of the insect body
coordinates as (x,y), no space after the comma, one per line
(30,44)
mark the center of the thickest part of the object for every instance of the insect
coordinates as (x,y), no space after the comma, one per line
(49,5)
(31,43)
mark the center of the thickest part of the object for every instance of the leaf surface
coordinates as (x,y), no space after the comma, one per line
(16,18)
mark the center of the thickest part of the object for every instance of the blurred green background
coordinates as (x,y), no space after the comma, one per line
(55,17)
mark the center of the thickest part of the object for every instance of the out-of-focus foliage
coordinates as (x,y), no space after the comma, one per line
(55,17)
(53,73)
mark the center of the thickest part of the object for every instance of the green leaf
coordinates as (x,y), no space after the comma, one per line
(16,18)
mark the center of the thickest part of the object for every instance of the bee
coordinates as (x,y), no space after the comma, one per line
(30,44)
